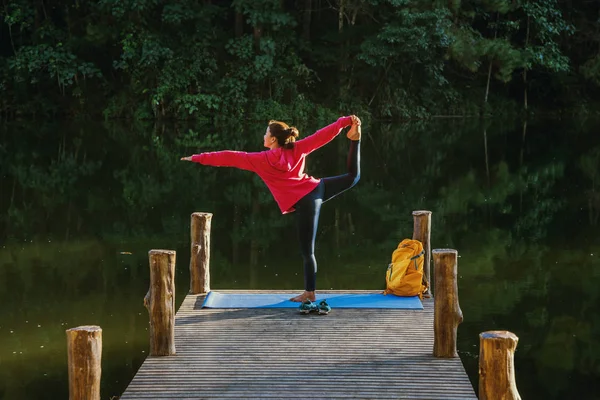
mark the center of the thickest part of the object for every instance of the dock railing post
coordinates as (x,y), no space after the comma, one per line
(160,302)
(84,353)
(422,233)
(496,365)
(200,253)
(447,313)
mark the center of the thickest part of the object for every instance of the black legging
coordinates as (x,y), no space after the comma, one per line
(309,207)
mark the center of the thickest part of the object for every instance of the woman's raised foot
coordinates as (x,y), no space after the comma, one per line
(354,132)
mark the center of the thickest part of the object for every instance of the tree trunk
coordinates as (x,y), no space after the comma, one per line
(354,15)
(200,253)
(489,77)
(160,302)
(487,162)
(422,233)
(84,354)
(521,164)
(496,366)
(447,313)
(487,86)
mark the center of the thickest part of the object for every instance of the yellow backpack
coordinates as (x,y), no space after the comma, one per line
(404,276)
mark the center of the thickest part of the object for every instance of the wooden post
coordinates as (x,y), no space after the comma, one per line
(200,253)
(447,313)
(496,366)
(160,302)
(422,233)
(84,349)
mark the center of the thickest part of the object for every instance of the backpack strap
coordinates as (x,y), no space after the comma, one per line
(418,255)
(425,281)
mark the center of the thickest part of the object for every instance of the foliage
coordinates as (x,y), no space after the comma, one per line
(243,59)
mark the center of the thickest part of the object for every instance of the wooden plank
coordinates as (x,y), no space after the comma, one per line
(279,353)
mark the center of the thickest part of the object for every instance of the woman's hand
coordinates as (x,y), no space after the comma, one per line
(186,158)
(355,120)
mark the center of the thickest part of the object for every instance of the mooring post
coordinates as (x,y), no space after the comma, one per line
(422,233)
(497,366)
(200,253)
(160,302)
(447,313)
(84,350)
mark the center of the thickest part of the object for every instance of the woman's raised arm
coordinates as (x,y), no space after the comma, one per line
(322,136)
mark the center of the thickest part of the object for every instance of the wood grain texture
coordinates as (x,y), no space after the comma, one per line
(200,253)
(160,302)
(84,354)
(447,314)
(497,365)
(422,233)
(281,354)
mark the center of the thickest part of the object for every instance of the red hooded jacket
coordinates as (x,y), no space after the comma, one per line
(281,169)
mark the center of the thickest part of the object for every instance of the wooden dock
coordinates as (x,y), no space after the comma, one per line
(281,354)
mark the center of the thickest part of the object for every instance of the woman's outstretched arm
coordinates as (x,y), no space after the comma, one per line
(226,158)
(322,136)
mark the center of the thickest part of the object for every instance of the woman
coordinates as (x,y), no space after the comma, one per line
(282,170)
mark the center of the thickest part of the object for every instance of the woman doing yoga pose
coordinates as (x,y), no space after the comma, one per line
(282,169)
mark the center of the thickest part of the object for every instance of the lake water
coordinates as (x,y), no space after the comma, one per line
(82,204)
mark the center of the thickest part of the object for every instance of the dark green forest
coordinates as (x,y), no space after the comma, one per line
(256,59)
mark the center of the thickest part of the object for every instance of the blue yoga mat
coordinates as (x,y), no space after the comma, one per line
(337,300)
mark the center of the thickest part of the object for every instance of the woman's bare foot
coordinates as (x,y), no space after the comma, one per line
(304,296)
(354,132)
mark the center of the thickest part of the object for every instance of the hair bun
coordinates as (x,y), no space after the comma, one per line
(292,132)
(285,135)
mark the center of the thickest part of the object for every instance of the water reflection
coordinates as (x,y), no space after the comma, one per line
(520,202)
